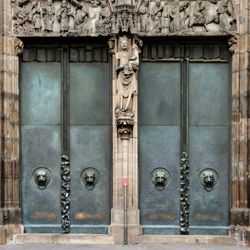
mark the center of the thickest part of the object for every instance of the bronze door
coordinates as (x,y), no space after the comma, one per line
(65,138)
(184,139)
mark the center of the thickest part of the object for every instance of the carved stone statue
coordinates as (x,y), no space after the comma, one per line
(156,14)
(165,21)
(224,13)
(93,16)
(48,15)
(63,16)
(104,24)
(127,64)
(22,16)
(81,17)
(36,15)
(144,16)
(184,15)
(174,17)
(199,15)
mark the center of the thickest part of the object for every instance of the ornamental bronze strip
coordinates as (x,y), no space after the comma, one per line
(184,172)
(65,159)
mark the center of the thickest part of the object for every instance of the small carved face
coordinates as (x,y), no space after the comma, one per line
(146,3)
(158,2)
(160,178)
(94,3)
(124,44)
(103,3)
(41,178)
(50,2)
(90,178)
(209,179)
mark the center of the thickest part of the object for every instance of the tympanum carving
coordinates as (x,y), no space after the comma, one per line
(104,17)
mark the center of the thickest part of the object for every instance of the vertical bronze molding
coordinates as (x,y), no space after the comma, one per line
(65,160)
(65,194)
(184,160)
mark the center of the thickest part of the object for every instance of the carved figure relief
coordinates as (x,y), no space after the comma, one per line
(48,15)
(225,12)
(104,23)
(199,15)
(144,16)
(156,14)
(103,17)
(127,65)
(174,17)
(183,17)
(63,16)
(36,16)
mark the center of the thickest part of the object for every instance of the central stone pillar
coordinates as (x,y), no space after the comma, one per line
(125,226)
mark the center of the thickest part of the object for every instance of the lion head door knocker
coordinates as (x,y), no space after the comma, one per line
(160,178)
(208,179)
(90,177)
(42,177)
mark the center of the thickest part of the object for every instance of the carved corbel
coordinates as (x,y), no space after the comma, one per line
(18,46)
(112,45)
(125,127)
(232,42)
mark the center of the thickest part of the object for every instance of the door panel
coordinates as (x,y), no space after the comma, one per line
(208,94)
(89,94)
(209,146)
(90,209)
(159,209)
(159,145)
(209,150)
(41,93)
(90,133)
(159,95)
(40,145)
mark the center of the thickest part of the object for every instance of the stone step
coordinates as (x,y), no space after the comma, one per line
(62,239)
(187,239)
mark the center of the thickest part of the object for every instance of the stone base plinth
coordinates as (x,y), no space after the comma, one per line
(186,239)
(2,235)
(63,239)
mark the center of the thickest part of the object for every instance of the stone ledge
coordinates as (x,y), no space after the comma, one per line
(184,239)
(62,239)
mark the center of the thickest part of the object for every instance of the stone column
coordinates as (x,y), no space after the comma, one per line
(240,211)
(10,215)
(125,213)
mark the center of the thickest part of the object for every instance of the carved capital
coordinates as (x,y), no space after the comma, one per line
(18,46)
(125,127)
